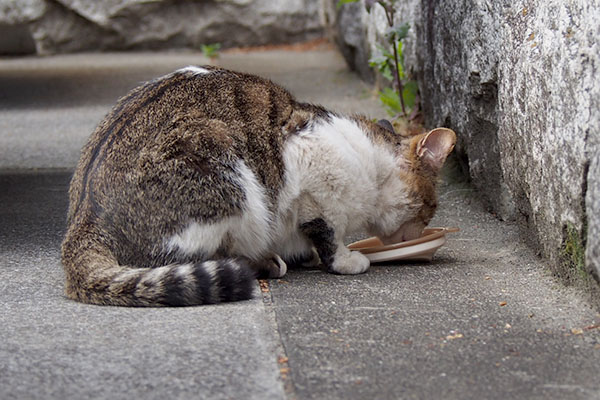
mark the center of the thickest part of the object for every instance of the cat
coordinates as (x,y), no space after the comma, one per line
(198,181)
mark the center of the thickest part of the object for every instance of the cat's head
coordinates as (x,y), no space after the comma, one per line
(420,159)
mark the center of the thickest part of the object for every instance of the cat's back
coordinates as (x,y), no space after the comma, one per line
(198,118)
(246,104)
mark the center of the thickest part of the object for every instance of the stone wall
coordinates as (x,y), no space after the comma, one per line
(519,81)
(54,26)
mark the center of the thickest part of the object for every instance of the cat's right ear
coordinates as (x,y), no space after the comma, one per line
(435,146)
(387,125)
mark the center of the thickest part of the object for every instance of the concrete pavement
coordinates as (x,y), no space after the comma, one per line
(483,320)
(49,106)
(53,348)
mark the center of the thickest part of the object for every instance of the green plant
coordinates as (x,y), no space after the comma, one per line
(390,63)
(211,50)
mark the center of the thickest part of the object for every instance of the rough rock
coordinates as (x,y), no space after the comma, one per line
(549,92)
(350,34)
(592,134)
(459,85)
(15,35)
(76,25)
(12,12)
(593,212)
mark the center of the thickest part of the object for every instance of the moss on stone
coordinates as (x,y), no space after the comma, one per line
(572,252)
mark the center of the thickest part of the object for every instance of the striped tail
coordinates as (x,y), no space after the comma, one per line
(93,277)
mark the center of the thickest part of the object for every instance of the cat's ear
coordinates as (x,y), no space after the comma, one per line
(435,146)
(385,124)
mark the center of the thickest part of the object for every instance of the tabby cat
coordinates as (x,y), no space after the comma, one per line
(199,180)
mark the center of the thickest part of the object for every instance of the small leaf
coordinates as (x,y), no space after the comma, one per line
(387,6)
(389,98)
(377,60)
(400,60)
(402,31)
(382,60)
(397,32)
(384,51)
(387,72)
(340,3)
(210,50)
(409,93)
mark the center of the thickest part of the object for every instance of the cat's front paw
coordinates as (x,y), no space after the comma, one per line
(350,263)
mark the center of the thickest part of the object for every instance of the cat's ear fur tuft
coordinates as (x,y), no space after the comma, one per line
(435,146)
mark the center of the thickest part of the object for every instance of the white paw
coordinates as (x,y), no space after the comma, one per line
(278,268)
(350,263)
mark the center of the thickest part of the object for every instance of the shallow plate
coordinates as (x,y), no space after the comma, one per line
(420,249)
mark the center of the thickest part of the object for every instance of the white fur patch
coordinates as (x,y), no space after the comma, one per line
(252,233)
(235,266)
(211,269)
(350,263)
(184,270)
(199,238)
(285,223)
(125,276)
(249,233)
(193,70)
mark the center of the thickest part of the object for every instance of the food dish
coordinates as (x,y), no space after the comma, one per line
(421,249)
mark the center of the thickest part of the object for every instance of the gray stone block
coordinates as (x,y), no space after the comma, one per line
(548,83)
(71,25)
(15,34)
(22,11)
(593,215)
(459,87)
(351,37)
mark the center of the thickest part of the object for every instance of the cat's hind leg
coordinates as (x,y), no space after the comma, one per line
(308,259)
(269,267)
